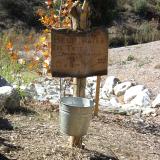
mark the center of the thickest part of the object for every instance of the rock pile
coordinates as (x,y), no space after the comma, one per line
(115,96)
(127,97)
(44,89)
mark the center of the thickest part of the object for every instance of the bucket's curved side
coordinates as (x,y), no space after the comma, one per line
(74,121)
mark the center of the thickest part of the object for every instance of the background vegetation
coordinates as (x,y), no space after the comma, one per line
(129,22)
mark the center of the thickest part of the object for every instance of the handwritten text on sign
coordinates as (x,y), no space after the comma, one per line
(79,54)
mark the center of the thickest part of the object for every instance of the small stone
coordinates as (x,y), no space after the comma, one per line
(156,102)
(40,98)
(47,83)
(40,89)
(132,92)
(121,88)
(51,92)
(15,86)
(23,87)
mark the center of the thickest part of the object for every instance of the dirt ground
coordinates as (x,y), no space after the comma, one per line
(33,132)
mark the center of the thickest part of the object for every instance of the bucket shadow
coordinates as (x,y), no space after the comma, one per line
(5,124)
(2,157)
(100,156)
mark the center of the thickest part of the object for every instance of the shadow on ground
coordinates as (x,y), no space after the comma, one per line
(7,147)
(22,110)
(148,128)
(2,157)
(101,156)
(145,128)
(5,124)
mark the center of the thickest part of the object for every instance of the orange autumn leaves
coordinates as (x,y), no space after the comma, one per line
(13,55)
(37,59)
(9,45)
(51,18)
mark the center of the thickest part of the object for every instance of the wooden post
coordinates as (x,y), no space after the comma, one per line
(96,108)
(80,20)
(79,91)
(79,87)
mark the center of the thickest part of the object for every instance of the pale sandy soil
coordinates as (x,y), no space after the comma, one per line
(144,68)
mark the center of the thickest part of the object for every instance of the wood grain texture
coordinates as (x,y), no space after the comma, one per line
(79,53)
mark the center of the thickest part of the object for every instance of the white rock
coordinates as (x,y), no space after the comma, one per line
(54,101)
(142,99)
(15,86)
(6,90)
(104,103)
(111,104)
(130,109)
(40,98)
(23,87)
(109,84)
(132,92)
(114,102)
(156,102)
(9,98)
(120,89)
(148,111)
(40,89)
(91,79)
(51,92)
(47,83)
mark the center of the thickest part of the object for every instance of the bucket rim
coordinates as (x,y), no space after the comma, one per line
(70,105)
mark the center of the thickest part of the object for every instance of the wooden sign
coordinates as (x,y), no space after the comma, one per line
(79,54)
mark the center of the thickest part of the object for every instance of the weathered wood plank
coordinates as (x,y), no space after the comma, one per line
(79,53)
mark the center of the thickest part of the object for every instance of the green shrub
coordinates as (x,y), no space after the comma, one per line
(147,33)
(103,12)
(140,7)
(130,58)
(158,6)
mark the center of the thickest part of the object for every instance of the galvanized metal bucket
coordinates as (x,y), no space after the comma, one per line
(75,115)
